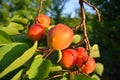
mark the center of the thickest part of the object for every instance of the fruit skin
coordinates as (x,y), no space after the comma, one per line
(60,37)
(81,61)
(87,64)
(36,32)
(69,58)
(81,51)
(43,20)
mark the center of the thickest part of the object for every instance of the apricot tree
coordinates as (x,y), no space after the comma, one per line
(39,51)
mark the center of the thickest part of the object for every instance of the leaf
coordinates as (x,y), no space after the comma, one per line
(19,19)
(55,68)
(95,51)
(16,25)
(20,61)
(10,30)
(20,38)
(99,68)
(10,52)
(95,77)
(17,76)
(82,77)
(51,26)
(4,38)
(33,70)
(64,78)
(44,70)
(76,39)
(59,55)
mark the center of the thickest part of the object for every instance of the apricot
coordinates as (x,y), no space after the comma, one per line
(81,51)
(35,32)
(86,64)
(69,57)
(81,61)
(43,20)
(60,37)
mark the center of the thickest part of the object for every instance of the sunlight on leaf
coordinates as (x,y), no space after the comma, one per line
(17,76)
(33,70)
(20,61)
(95,51)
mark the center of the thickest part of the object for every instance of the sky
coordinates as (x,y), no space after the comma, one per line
(71,6)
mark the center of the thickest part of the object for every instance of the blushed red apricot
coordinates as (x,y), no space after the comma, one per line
(35,32)
(81,61)
(69,57)
(60,37)
(43,20)
(87,64)
(81,51)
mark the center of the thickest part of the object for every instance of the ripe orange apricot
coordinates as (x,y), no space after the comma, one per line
(43,20)
(69,57)
(35,32)
(87,64)
(60,37)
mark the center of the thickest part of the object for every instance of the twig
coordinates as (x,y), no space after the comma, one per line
(95,8)
(47,54)
(83,25)
(40,7)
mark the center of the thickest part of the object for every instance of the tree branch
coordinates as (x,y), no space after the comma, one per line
(83,25)
(95,8)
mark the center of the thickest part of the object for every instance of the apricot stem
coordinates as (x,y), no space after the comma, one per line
(40,7)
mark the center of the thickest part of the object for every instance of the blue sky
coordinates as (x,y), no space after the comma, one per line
(72,5)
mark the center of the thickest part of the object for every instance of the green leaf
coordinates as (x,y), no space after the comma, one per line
(16,25)
(10,52)
(10,30)
(76,39)
(95,77)
(19,19)
(82,77)
(99,68)
(95,51)
(51,26)
(55,68)
(20,61)
(64,78)
(4,38)
(20,38)
(44,70)
(59,55)
(17,76)
(33,70)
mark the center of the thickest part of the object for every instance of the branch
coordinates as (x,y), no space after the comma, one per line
(83,25)
(95,8)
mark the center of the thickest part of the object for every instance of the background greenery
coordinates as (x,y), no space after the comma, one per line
(105,33)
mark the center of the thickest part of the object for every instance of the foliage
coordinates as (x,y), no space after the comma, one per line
(106,34)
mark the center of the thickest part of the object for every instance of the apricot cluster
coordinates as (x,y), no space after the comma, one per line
(37,30)
(60,37)
(78,57)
